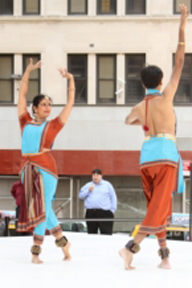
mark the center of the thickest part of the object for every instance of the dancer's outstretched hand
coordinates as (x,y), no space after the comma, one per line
(64,73)
(184,15)
(32,66)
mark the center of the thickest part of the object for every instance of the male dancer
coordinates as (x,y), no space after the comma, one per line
(159,157)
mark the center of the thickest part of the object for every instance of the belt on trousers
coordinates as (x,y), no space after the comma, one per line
(161,135)
(35,154)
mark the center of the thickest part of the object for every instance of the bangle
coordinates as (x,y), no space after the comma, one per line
(71,89)
(181,43)
(24,80)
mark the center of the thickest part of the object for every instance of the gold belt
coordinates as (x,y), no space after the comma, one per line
(36,154)
(161,135)
(32,154)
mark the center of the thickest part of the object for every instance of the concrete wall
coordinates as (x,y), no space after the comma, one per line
(94,128)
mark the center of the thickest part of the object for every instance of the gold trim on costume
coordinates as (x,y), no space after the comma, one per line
(34,154)
(161,135)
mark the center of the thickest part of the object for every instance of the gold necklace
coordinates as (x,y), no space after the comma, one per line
(39,120)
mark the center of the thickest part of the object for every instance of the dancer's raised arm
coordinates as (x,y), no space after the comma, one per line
(22,102)
(64,115)
(170,90)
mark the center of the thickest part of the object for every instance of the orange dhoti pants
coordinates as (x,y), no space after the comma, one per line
(158,185)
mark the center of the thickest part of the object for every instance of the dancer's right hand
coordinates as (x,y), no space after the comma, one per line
(32,66)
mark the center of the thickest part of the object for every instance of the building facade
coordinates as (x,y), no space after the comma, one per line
(104,43)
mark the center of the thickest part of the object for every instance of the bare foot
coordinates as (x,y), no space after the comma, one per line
(66,252)
(127,257)
(165,264)
(36,260)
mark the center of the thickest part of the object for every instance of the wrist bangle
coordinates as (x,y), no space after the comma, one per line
(24,80)
(181,43)
(71,89)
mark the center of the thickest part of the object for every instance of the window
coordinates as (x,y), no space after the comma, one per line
(31,7)
(106,78)
(134,88)
(77,65)
(184,91)
(6,7)
(6,81)
(188,3)
(34,80)
(77,7)
(135,6)
(106,7)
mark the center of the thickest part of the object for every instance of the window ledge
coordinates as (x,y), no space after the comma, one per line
(87,18)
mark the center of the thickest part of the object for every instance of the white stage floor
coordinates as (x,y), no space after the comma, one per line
(95,263)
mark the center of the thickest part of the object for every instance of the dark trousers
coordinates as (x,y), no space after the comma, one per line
(105,227)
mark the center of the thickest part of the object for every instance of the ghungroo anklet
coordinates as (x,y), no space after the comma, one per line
(132,246)
(61,242)
(164,253)
(35,250)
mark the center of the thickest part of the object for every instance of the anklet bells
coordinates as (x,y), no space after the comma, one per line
(164,253)
(61,242)
(35,250)
(132,246)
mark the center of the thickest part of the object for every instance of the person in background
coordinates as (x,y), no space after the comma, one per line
(100,201)
(16,191)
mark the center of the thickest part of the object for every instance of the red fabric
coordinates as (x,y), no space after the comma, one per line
(44,161)
(16,191)
(50,132)
(146,99)
(32,210)
(23,119)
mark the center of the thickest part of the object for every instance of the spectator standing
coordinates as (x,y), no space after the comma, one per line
(100,201)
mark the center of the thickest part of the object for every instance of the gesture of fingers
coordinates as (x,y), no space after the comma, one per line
(184,12)
(64,73)
(32,66)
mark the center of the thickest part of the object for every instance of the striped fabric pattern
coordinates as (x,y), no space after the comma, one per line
(38,239)
(56,231)
(32,210)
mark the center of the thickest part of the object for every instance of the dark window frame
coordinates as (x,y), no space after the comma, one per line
(39,74)
(174,8)
(137,79)
(114,99)
(135,13)
(188,79)
(24,8)
(9,79)
(11,13)
(99,8)
(77,13)
(76,79)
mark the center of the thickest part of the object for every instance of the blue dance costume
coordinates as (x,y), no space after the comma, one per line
(35,137)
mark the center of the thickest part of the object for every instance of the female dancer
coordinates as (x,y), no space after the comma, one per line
(38,167)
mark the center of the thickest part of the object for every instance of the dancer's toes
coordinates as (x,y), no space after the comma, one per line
(165,264)
(36,260)
(67,258)
(127,257)
(66,252)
